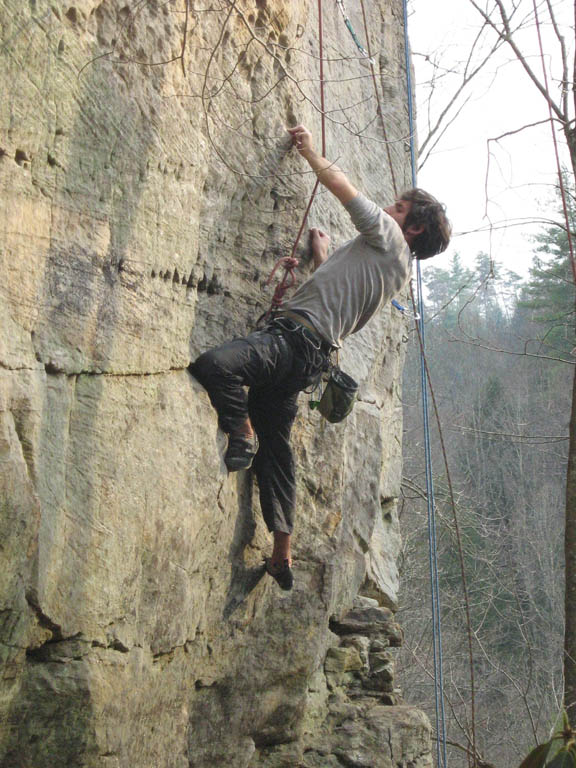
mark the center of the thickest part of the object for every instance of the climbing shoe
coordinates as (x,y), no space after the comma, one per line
(240,452)
(282,574)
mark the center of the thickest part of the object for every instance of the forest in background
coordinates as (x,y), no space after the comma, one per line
(499,349)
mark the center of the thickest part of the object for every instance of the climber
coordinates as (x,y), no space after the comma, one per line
(289,354)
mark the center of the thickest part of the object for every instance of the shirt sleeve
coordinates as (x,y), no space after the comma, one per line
(379,229)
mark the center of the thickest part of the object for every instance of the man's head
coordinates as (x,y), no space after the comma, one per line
(426,227)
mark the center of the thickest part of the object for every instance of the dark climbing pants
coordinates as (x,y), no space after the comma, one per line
(276,363)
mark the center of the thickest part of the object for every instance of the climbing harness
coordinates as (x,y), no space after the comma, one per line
(293,326)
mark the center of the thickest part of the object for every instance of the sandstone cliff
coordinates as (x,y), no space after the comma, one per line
(144,197)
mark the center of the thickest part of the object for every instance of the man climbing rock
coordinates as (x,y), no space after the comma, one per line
(290,353)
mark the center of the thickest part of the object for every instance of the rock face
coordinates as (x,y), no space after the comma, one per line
(146,189)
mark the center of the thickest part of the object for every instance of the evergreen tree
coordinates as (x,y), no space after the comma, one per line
(449,290)
(549,295)
(509,485)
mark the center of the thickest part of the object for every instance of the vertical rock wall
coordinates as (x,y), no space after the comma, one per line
(146,189)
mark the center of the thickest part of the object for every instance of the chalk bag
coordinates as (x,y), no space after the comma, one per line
(338,397)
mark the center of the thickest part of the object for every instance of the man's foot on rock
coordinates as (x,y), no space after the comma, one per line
(240,452)
(281,573)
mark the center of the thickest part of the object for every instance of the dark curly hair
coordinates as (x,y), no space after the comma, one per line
(427,212)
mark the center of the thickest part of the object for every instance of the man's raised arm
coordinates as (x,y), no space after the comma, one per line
(332,177)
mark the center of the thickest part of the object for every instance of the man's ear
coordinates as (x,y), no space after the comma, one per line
(414,231)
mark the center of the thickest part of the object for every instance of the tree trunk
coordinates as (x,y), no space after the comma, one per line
(570,553)
(570,525)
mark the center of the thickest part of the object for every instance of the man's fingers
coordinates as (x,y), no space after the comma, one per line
(301,137)
(296,128)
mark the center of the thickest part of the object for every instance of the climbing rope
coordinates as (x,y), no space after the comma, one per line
(289,263)
(442,759)
(426,385)
(322,123)
(438,660)
(378,101)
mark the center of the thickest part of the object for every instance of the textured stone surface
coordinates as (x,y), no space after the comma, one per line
(355,724)
(141,210)
(374,736)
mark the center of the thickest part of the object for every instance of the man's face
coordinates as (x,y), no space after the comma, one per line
(399,211)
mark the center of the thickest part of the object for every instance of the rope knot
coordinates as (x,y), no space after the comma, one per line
(289,263)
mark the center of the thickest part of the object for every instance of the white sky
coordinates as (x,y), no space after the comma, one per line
(523,166)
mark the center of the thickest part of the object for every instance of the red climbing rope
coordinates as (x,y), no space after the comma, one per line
(378,101)
(290,262)
(287,281)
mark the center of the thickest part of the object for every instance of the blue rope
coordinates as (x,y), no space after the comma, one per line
(441,754)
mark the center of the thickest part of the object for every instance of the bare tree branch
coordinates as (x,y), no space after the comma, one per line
(505,34)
